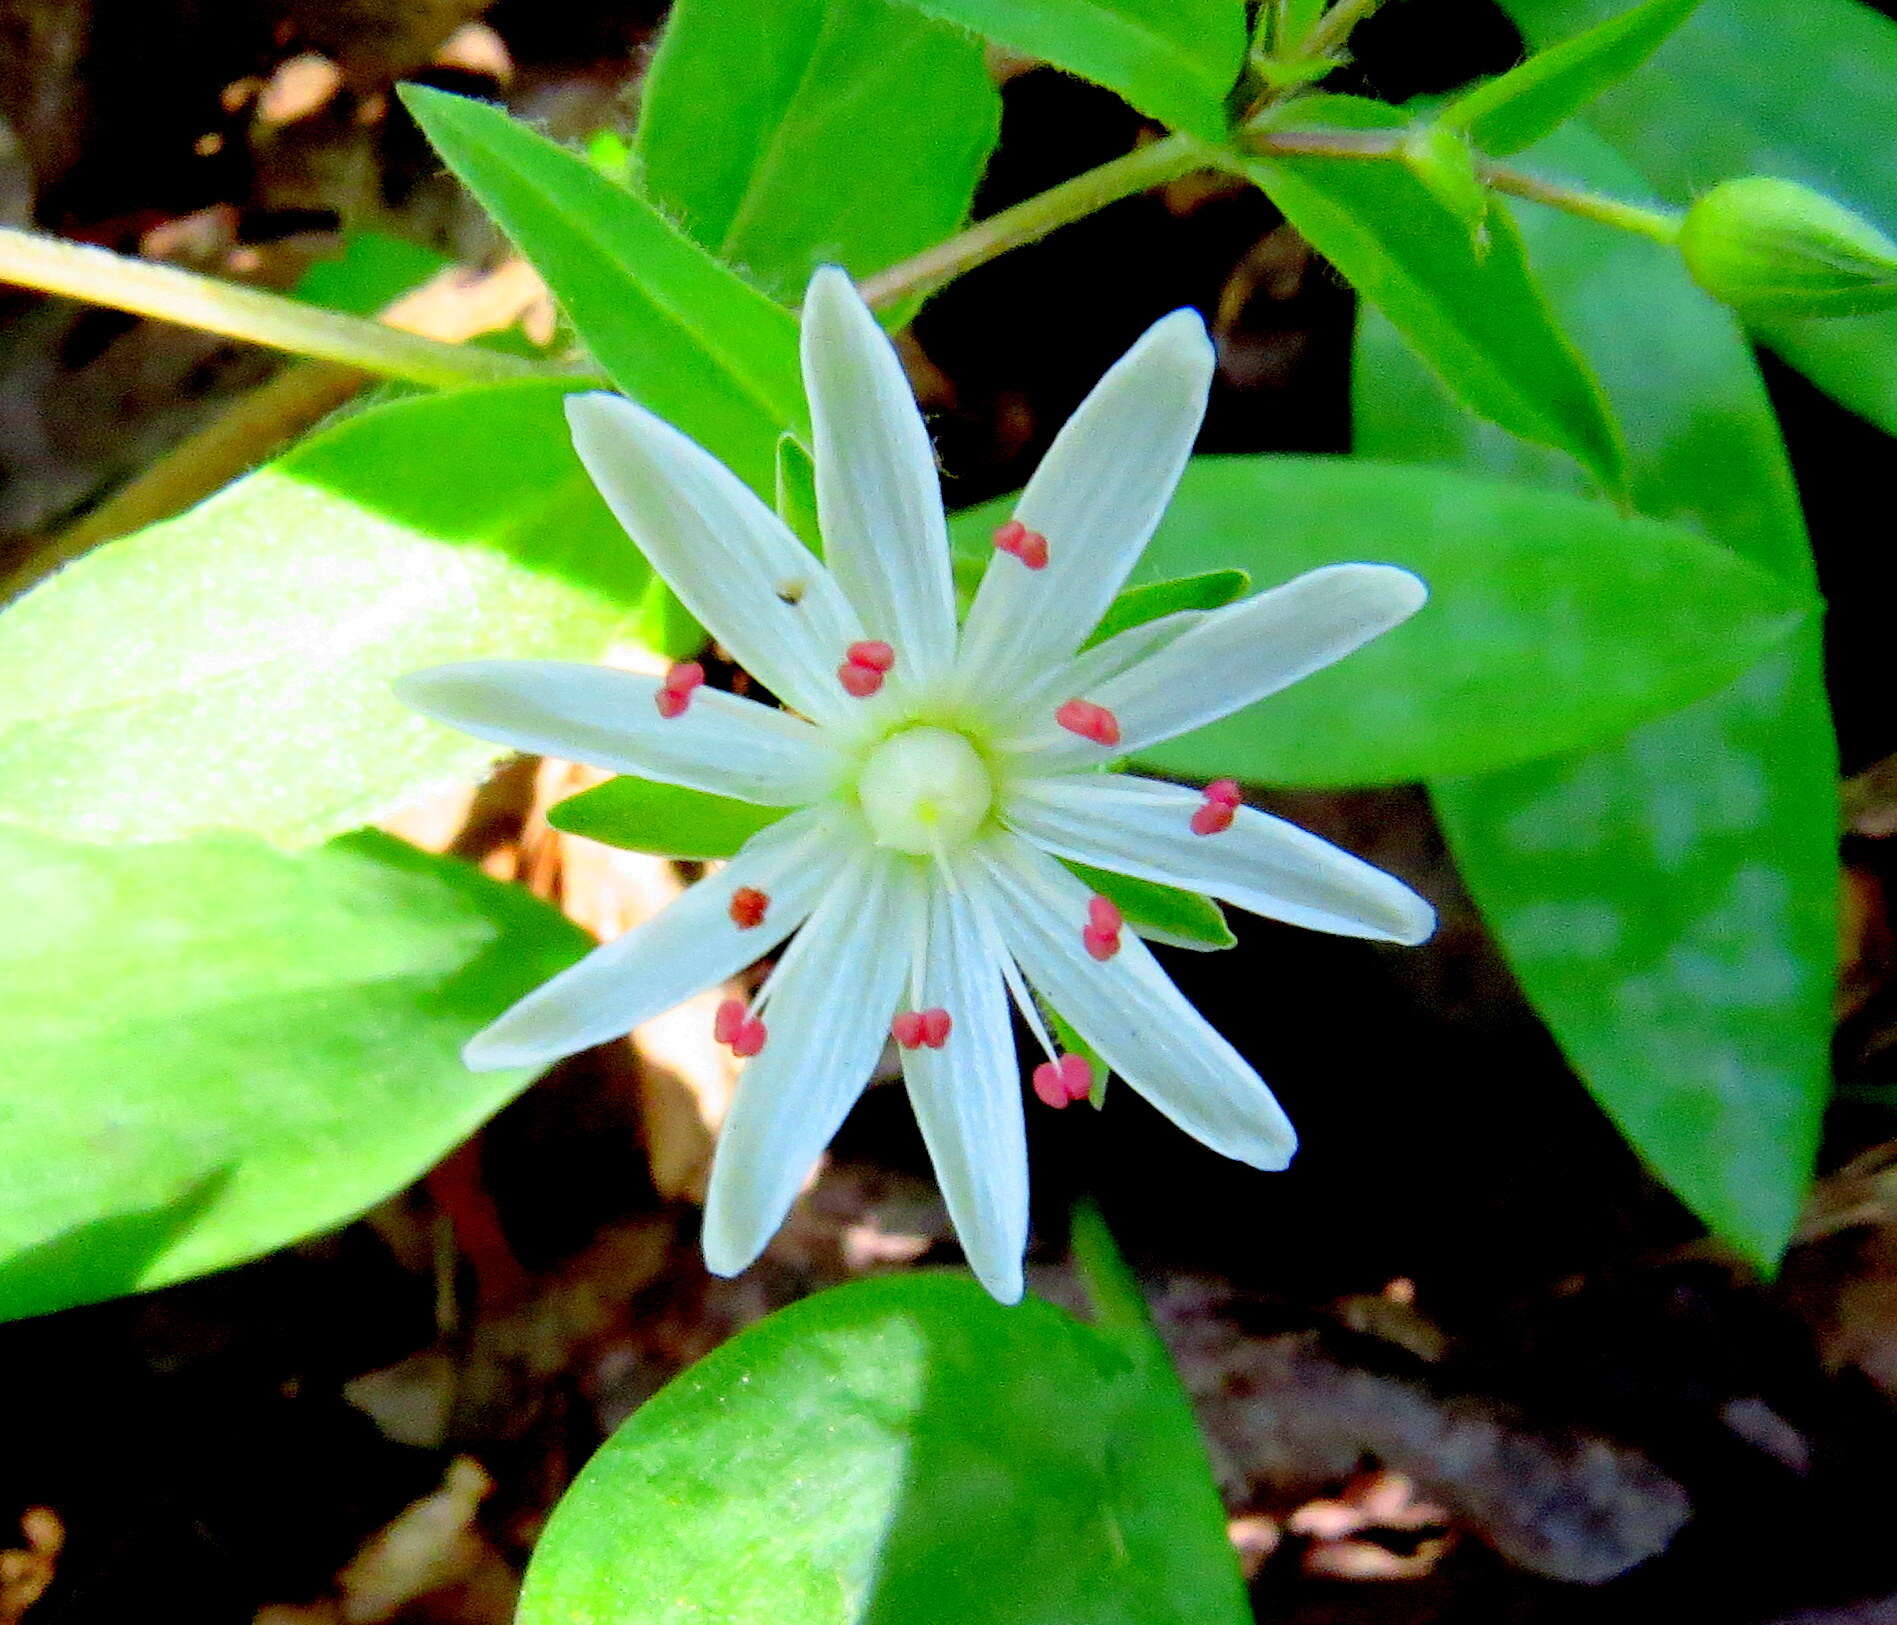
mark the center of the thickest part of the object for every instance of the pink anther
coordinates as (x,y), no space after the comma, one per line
(1225,791)
(873,653)
(747,907)
(1214,815)
(906,1029)
(1090,721)
(750,1038)
(684,676)
(729,1021)
(1059,1083)
(671,702)
(1103,914)
(859,681)
(936,1023)
(1103,945)
(1029,546)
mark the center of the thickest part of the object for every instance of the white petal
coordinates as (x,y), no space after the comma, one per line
(1096,497)
(1128,1010)
(686,948)
(1240,654)
(594,714)
(879,500)
(1027,710)
(967,1097)
(835,991)
(1144,828)
(733,563)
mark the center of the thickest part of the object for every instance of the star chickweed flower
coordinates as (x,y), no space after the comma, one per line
(937,774)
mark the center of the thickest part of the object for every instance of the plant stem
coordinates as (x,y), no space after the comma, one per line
(1335,27)
(100,277)
(1027,222)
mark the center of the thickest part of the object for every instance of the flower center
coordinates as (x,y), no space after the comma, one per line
(924,790)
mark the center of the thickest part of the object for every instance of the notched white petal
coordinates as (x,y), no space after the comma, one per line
(606,718)
(1142,827)
(1097,497)
(879,500)
(733,563)
(1127,1008)
(689,946)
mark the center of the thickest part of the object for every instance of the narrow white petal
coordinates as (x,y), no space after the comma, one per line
(684,949)
(1027,710)
(1128,1009)
(834,994)
(967,1097)
(1097,498)
(1144,828)
(879,500)
(733,563)
(1240,654)
(594,714)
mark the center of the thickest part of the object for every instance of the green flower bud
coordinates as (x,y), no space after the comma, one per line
(1774,248)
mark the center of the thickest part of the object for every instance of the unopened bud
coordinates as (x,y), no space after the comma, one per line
(1775,248)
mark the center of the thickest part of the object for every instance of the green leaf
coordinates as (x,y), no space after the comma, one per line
(1757,87)
(1209,589)
(1553,622)
(1474,314)
(1175,60)
(230,668)
(665,819)
(812,131)
(1669,901)
(683,335)
(214,1049)
(1441,158)
(372,271)
(1180,919)
(1531,101)
(797,492)
(901,1449)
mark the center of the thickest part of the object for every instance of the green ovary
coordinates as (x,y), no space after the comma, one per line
(925,790)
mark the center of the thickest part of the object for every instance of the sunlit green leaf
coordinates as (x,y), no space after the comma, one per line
(679,332)
(1137,605)
(1180,919)
(1175,60)
(230,668)
(214,1049)
(801,132)
(1473,313)
(1531,101)
(666,819)
(899,1450)
(372,270)
(1667,902)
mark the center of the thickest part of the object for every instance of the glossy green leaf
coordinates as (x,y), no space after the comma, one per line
(1473,312)
(1553,622)
(230,668)
(677,331)
(1531,101)
(1668,901)
(372,270)
(899,1450)
(804,132)
(1209,589)
(1807,92)
(215,1049)
(797,491)
(667,819)
(1175,60)
(1179,919)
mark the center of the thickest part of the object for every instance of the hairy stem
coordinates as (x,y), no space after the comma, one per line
(1029,221)
(213,306)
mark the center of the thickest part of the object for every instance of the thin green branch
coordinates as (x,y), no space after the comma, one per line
(100,277)
(1335,27)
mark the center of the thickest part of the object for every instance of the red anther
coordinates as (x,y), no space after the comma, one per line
(1090,721)
(1009,536)
(1226,791)
(1049,1087)
(1101,944)
(1104,915)
(1213,817)
(860,681)
(729,1022)
(684,676)
(906,1029)
(873,653)
(936,1023)
(747,907)
(672,702)
(1029,546)
(1076,1076)
(750,1039)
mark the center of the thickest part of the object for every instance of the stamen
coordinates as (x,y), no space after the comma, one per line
(750,1039)
(872,652)
(906,1029)
(1090,721)
(1101,935)
(936,1023)
(676,694)
(1214,815)
(1060,1083)
(1225,790)
(729,1021)
(1029,546)
(748,905)
(914,1028)
(671,703)
(859,681)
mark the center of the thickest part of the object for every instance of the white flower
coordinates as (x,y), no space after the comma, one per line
(937,775)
